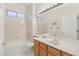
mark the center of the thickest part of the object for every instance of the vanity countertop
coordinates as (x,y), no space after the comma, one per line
(63,45)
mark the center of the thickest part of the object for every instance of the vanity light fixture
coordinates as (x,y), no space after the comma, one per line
(54,6)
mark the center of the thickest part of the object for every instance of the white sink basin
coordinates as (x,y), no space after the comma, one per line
(51,40)
(54,42)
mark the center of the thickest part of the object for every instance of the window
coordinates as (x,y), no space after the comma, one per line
(20,15)
(39,19)
(16,14)
(11,13)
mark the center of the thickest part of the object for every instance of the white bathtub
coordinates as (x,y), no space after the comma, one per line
(19,48)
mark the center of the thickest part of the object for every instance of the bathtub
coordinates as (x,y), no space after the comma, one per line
(19,48)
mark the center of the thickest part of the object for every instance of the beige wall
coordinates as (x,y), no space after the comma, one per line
(14,28)
(30,21)
(43,27)
(56,14)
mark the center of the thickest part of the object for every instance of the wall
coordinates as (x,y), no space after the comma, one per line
(55,15)
(15,29)
(30,21)
(34,20)
(48,20)
(1,29)
(43,27)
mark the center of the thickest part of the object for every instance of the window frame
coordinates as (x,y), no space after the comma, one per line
(20,17)
(10,11)
(16,14)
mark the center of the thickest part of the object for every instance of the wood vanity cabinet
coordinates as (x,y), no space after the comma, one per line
(41,49)
(42,52)
(53,51)
(50,54)
(36,47)
(65,54)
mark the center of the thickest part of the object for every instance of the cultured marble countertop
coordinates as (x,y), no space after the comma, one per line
(68,47)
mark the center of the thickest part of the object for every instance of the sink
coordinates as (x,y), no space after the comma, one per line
(54,42)
(49,38)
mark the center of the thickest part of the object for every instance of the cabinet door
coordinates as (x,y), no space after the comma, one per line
(36,48)
(53,51)
(50,54)
(65,54)
(42,52)
(42,45)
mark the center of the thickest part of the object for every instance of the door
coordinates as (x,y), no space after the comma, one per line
(1,29)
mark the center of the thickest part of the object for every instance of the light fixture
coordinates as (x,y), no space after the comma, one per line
(54,6)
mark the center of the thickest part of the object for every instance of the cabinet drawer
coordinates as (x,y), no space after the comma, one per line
(65,54)
(42,45)
(53,51)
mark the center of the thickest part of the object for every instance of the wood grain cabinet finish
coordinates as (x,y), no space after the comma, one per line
(41,49)
(44,46)
(50,54)
(36,42)
(43,52)
(53,51)
(36,48)
(65,54)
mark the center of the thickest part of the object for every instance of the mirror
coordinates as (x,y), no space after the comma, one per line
(69,26)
